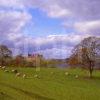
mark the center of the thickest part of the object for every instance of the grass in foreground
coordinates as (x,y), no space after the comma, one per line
(51,84)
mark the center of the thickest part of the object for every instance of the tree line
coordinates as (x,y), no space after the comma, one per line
(32,60)
(86,55)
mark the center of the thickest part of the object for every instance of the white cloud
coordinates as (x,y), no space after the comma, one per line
(90,27)
(18,4)
(14,16)
(82,9)
(12,21)
(56,40)
(55,11)
(59,53)
(54,45)
(11,24)
(86,11)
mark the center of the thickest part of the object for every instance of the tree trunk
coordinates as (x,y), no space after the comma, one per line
(90,75)
(90,69)
(2,62)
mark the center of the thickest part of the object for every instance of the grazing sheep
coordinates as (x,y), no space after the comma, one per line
(24,75)
(52,72)
(14,71)
(35,76)
(18,74)
(6,71)
(66,73)
(76,76)
(3,67)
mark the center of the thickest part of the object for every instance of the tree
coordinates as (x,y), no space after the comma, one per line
(87,52)
(5,54)
(73,61)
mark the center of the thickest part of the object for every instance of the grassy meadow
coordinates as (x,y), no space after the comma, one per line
(50,84)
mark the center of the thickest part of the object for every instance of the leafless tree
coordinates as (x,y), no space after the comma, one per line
(88,51)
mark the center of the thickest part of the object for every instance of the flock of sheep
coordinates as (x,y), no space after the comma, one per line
(18,74)
(66,73)
(15,71)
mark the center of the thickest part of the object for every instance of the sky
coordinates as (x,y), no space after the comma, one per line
(48,27)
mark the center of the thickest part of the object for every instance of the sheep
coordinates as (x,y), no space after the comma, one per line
(4,67)
(36,76)
(24,75)
(14,71)
(66,73)
(18,74)
(6,71)
(76,76)
(0,66)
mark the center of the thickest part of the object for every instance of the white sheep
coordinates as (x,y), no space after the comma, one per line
(36,76)
(6,71)
(14,71)
(24,75)
(4,67)
(18,74)
(66,73)
(76,76)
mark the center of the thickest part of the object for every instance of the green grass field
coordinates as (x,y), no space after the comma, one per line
(51,84)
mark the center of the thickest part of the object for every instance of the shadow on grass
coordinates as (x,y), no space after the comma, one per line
(4,96)
(30,94)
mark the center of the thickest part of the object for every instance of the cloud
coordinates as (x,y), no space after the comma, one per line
(13,18)
(12,21)
(90,27)
(57,41)
(73,14)
(82,9)
(18,4)
(82,16)
(55,11)
(11,24)
(54,46)
(59,53)
(50,7)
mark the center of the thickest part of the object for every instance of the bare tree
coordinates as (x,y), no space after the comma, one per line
(87,52)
